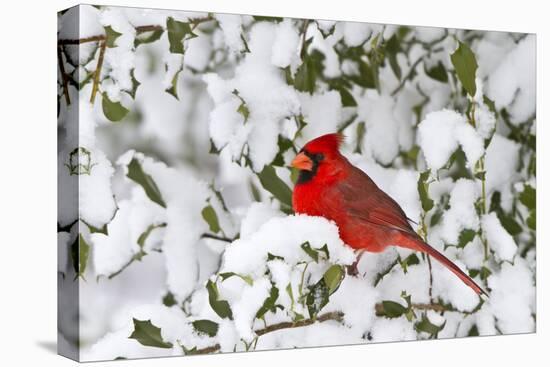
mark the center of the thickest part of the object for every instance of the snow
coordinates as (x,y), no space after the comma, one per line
(441,132)
(256,215)
(172,322)
(197,53)
(355,291)
(462,213)
(121,58)
(382,132)
(356,33)
(133,217)
(392,330)
(286,44)
(501,162)
(500,241)
(323,113)
(513,297)
(511,85)
(231,27)
(283,237)
(451,289)
(185,198)
(247,306)
(485,121)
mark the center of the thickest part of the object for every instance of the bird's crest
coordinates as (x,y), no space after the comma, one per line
(325,143)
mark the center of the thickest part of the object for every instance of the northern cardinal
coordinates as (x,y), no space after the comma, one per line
(368,219)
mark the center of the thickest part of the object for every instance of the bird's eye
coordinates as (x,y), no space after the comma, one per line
(319,157)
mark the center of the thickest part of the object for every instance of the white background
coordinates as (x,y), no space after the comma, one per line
(28,241)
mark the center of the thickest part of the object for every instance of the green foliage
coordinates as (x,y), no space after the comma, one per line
(169,300)
(423,185)
(528,197)
(205,326)
(247,278)
(80,251)
(173,88)
(148,334)
(114,111)
(437,72)
(210,216)
(315,254)
(221,307)
(177,33)
(319,293)
(143,237)
(333,277)
(309,72)
(269,303)
(136,174)
(110,36)
(466,236)
(148,37)
(393,309)
(135,85)
(465,64)
(425,325)
(272,183)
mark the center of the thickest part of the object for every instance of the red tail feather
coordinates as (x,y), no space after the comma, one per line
(418,245)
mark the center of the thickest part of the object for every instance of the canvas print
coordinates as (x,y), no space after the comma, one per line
(232,183)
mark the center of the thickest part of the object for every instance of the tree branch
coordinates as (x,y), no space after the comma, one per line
(335,316)
(219,238)
(97,71)
(64,78)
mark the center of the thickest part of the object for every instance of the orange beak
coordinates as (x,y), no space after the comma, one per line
(302,162)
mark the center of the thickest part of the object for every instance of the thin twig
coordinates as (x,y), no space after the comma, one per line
(97,71)
(335,316)
(431,277)
(102,37)
(64,78)
(219,238)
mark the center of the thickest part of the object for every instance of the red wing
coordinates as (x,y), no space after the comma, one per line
(365,201)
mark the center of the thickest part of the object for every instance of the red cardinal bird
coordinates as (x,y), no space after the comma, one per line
(330,186)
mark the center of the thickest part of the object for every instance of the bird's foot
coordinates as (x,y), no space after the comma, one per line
(352,269)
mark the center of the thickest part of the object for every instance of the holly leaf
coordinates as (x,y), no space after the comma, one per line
(210,216)
(221,307)
(173,88)
(427,326)
(272,183)
(80,251)
(466,236)
(427,202)
(148,37)
(114,111)
(136,174)
(392,309)
(333,278)
(110,36)
(177,33)
(135,85)
(207,327)
(437,72)
(269,303)
(246,278)
(148,334)
(465,64)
